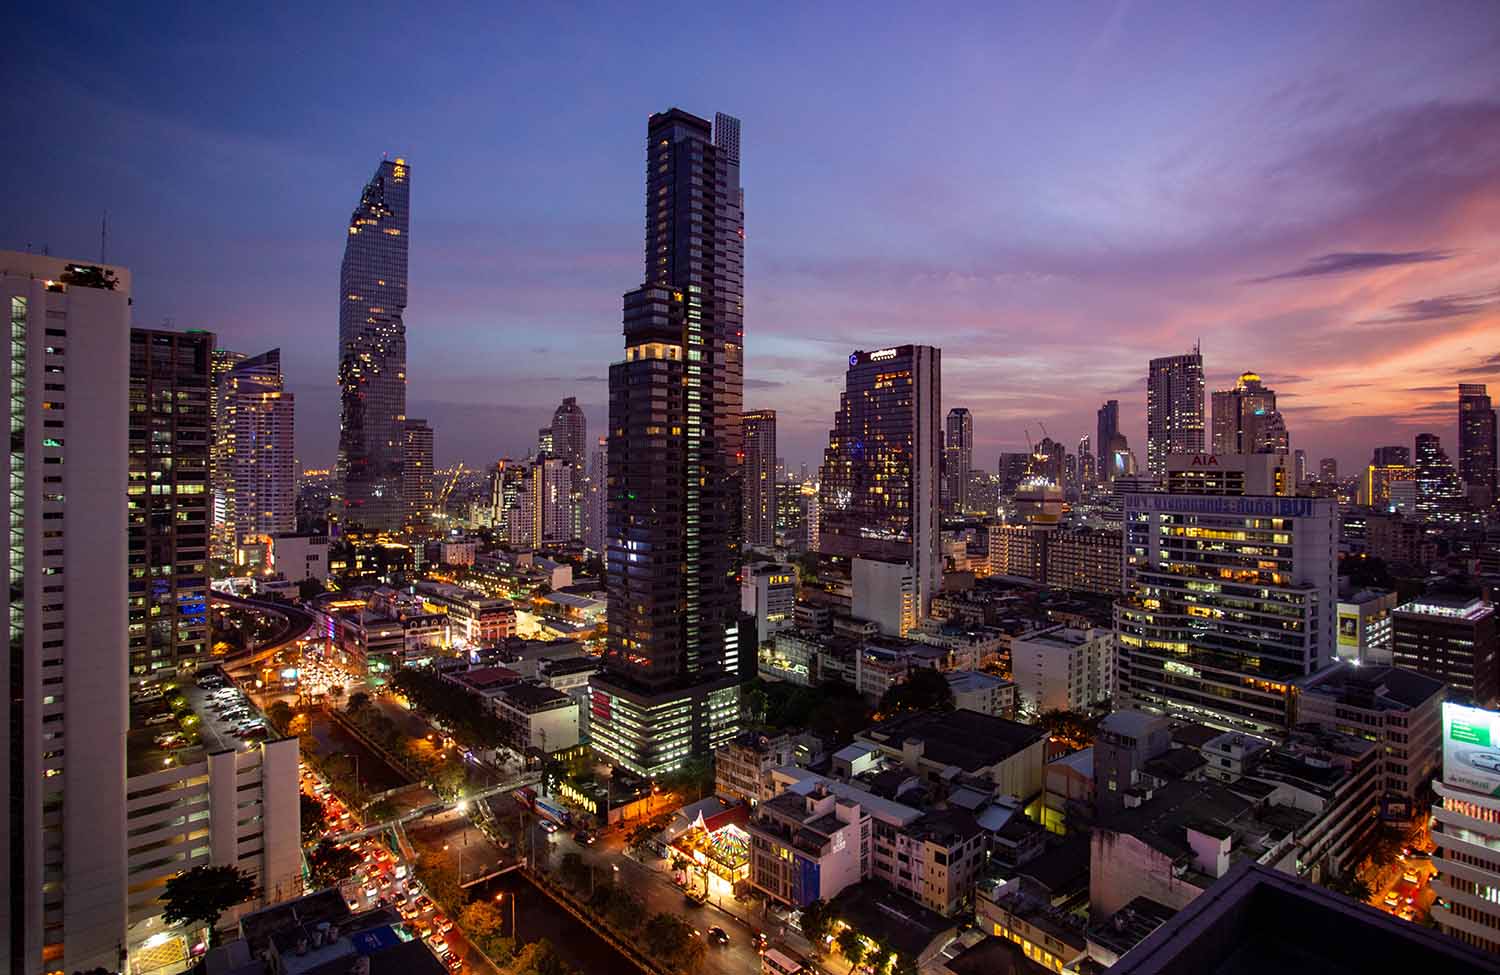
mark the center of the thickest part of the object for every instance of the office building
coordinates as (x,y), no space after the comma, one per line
(569,433)
(1476,442)
(1439,495)
(1245,419)
(372,353)
(1299,464)
(958,460)
(418,475)
(1399,710)
(1014,468)
(550,501)
(62,747)
(884,593)
(1088,470)
(1109,437)
(1466,829)
(1232,475)
(1228,601)
(1174,409)
(595,495)
(879,491)
(257,448)
(1450,635)
(168,499)
(669,687)
(1364,635)
(1394,456)
(1377,490)
(768,592)
(1328,470)
(760,478)
(1061,668)
(221,537)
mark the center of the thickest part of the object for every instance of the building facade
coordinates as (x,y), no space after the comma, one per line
(1228,601)
(64,713)
(674,507)
(879,493)
(1451,637)
(958,460)
(1246,421)
(1476,441)
(169,499)
(1466,829)
(418,474)
(760,478)
(257,448)
(1174,409)
(1063,669)
(768,592)
(372,353)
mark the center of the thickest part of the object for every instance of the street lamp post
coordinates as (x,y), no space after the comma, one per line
(500,898)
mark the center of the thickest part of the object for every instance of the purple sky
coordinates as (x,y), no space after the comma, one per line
(1052,193)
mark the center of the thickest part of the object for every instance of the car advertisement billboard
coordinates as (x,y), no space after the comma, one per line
(1471,749)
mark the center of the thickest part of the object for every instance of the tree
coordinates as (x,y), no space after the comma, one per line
(537,958)
(313,817)
(203,894)
(753,704)
(625,910)
(852,947)
(924,689)
(380,811)
(573,871)
(817,922)
(439,874)
(331,864)
(280,714)
(1069,727)
(1350,886)
(309,589)
(672,939)
(358,701)
(484,924)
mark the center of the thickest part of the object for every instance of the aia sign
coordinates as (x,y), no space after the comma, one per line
(1205,460)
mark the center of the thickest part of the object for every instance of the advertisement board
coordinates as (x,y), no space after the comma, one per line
(1471,748)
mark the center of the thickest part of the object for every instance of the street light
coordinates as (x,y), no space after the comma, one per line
(500,898)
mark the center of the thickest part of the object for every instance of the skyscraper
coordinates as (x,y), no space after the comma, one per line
(417,474)
(1088,473)
(372,353)
(1109,429)
(760,478)
(958,459)
(1438,495)
(169,502)
(1476,441)
(1328,470)
(669,688)
(1174,409)
(595,513)
(1245,419)
(64,713)
(257,446)
(551,501)
(1391,457)
(221,536)
(570,435)
(878,498)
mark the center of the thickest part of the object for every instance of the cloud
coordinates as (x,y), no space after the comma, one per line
(1445,306)
(591,379)
(762,384)
(1347,262)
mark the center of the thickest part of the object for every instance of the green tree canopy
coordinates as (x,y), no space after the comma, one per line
(851,946)
(673,940)
(817,922)
(923,690)
(203,894)
(313,817)
(331,864)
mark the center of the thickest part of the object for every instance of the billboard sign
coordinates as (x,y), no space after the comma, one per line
(1471,748)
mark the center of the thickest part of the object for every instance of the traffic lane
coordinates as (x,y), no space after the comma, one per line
(661,895)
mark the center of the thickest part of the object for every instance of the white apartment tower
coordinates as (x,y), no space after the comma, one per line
(256,447)
(63,716)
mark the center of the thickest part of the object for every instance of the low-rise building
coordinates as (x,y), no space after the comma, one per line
(806,847)
(1364,633)
(1399,710)
(791,656)
(1068,794)
(768,591)
(1063,669)
(319,935)
(941,746)
(538,717)
(476,618)
(975,690)
(742,766)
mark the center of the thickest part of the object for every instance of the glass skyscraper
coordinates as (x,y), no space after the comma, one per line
(958,459)
(1476,440)
(669,688)
(372,353)
(760,478)
(1174,409)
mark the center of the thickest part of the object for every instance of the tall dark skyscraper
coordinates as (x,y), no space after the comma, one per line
(1476,440)
(372,353)
(1109,432)
(669,688)
(958,459)
(570,435)
(1174,409)
(1391,457)
(760,478)
(1246,421)
(1439,497)
(878,497)
(170,442)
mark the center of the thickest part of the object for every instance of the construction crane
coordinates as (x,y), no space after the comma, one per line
(440,503)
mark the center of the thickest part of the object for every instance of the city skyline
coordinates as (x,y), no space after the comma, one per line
(1258,212)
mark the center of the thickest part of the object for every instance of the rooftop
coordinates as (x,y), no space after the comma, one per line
(485,678)
(964,739)
(1130,925)
(880,913)
(533,697)
(1374,688)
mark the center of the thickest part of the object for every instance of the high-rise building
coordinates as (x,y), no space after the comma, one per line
(1229,600)
(1466,829)
(64,712)
(570,438)
(1246,421)
(544,442)
(169,501)
(1049,462)
(1088,473)
(669,688)
(958,459)
(1014,467)
(221,536)
(1476,441)
(551,500)
(1109,428)
(1299,465)
(1174,409)
(417,474)
(1439,497)
(257,448)
(879,492)
(372,353)
(1391,457)
(760,478)
(509,496)
(594,498)
(1450,635)
(1328,470)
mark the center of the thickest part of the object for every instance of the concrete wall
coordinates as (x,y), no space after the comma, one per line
(1122,868)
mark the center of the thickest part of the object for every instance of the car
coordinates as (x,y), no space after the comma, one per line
(453,962)
(718,936)
(160,719)
(424,903)
(695,899)
(439,945)
(443,924)
(1392,899)
(548,826)
(584,837)
(1410,877)
(761,941)
(1406,914)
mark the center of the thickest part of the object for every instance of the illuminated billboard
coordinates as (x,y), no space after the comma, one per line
(1471,749)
